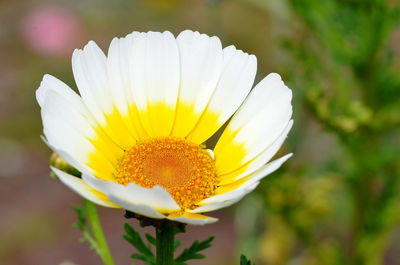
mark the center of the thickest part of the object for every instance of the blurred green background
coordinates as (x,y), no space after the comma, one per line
(337,201)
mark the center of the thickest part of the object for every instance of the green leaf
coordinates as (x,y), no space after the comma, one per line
(86,234)
(193,251)
(135,239)
(81,214)
(151,239)
(245,261)
(177,244)
(148,260)
(146,253)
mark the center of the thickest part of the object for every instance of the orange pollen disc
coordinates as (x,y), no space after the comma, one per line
(184,169)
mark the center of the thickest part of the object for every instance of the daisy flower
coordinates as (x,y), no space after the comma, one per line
(137,130)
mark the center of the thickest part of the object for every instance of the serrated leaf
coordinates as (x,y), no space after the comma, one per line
(192,251)
(151,239)
(177,244)
(133,237)
(148,260)
(206,243)
(81,214)
(86,234)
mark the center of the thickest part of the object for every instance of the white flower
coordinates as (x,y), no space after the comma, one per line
(144,110)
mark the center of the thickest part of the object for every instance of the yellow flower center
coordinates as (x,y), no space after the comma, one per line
(184,169)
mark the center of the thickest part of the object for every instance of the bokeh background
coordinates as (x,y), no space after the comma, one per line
(337,201)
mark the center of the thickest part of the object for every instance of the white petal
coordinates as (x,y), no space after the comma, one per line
(265,171)
(237,193)
(211,152)
(219,205)
(258,161)
(258,123)
(50,83)
(60,107)
(61,99)
(90,73)
(224,200)
(155,80)
(271,91)
(201,65)
(57,98)
(192,219)
(157,197)
(141,209)
(66,138)
(239,70)
(68,127)
(80,187)
(69,159)
(118,70)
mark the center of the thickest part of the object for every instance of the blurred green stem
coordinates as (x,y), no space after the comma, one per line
(95,226)
(165,243)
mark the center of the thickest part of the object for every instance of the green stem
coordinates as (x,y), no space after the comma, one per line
(165,243)
(95,227)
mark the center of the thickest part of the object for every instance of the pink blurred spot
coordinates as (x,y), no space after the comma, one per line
(52,31)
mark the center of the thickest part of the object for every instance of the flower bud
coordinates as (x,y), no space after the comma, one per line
(59,163)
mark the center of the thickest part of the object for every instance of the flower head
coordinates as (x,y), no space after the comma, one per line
(138,128)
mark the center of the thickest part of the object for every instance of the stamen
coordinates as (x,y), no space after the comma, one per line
(184,169)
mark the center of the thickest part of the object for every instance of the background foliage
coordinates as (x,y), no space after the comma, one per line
(335,202)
